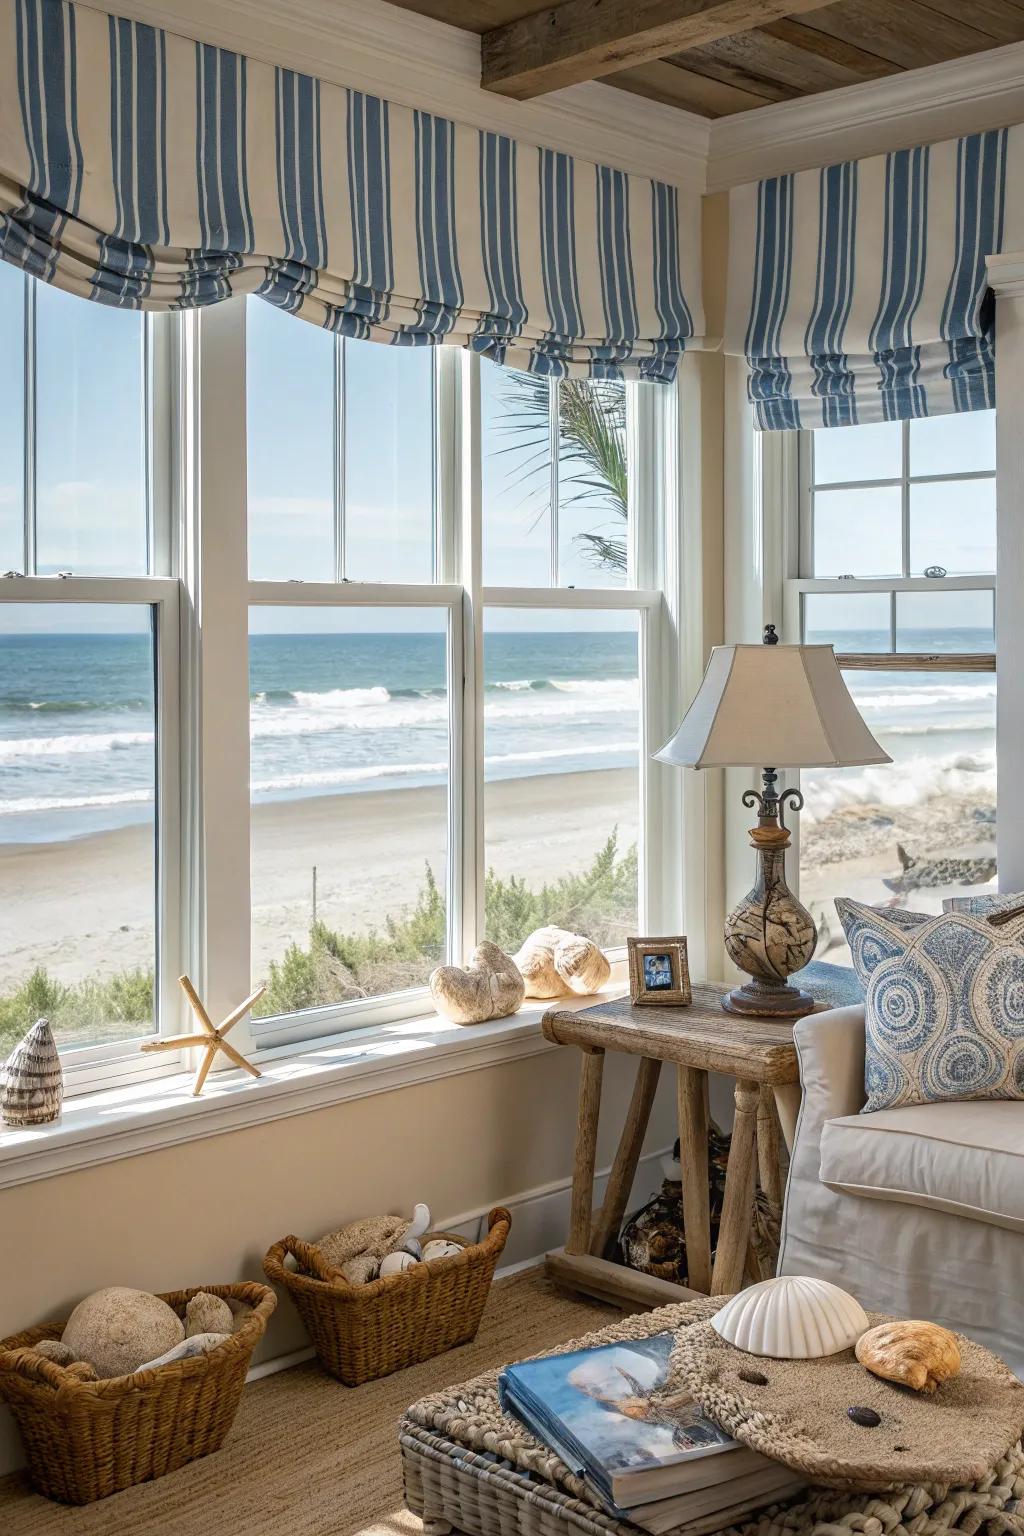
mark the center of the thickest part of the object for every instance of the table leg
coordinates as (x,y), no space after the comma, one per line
(589,1108)
(768,1150)
(620,1180)
(693,1163)
(734,1228)
(787,1102)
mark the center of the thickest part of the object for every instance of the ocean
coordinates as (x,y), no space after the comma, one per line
(351,713)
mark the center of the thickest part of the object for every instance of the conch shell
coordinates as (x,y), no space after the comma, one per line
(555,963)
(917,1355)
(489,988)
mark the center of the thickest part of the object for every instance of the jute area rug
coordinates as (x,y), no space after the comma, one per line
(307,1456)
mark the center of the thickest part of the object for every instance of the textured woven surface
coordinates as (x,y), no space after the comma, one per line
(307,1456)
(362,1332)
(452,1489)
(85,1440)
(800,1415)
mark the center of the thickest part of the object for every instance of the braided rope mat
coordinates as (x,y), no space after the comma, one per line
(797,1413)
(473,1468)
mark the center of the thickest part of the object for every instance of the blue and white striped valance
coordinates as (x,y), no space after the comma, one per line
(146,170)
(858,292)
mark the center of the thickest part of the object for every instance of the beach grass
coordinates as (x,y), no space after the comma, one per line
(334,966)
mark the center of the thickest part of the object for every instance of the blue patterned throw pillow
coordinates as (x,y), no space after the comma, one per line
(944,1005)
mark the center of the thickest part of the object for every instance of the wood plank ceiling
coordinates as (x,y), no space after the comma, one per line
(719,57)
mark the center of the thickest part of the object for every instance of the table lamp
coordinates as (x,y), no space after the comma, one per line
(786,705)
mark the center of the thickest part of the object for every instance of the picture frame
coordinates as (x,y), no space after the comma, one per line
(659,973)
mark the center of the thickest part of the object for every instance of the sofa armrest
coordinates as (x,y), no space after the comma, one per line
(830,1047)
(831,1051)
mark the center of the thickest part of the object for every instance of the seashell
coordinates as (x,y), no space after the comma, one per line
(440,1248)
(867,1418)
(188,1349)
(918,1355)
(395,1263)
(118,1328)
(53,1349)
(206,1313)
(361,1270)
(793,1317)
(554,962)
(420,1223)
(489,988)
(753,1378)
(32,1081)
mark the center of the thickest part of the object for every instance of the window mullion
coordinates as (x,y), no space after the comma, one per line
(905,496)
(338,418)
(466,928)
(30,403)
(554,407)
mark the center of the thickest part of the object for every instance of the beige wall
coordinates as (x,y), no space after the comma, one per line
(207,1210)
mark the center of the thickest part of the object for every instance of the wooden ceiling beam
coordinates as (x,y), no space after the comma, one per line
(587,39)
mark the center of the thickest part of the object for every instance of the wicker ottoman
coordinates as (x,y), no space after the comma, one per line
(468,1468)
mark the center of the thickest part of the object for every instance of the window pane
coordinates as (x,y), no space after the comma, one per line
(90,437)
(945,621)
(389,462)
(953,525)
(77,823)
(855,622)
(349,725)
(12,418)
(290,425)
(857,453)
(592,492)
(953,445)
(515,477)
(561,744)
(857,533)
(913,832)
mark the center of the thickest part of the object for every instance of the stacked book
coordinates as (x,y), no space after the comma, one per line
(645,1450)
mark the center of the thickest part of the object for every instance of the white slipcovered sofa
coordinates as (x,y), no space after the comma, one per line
(915,1211)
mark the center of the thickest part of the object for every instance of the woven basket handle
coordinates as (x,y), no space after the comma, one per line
(34,1367)
(307,1256)
(499,1222)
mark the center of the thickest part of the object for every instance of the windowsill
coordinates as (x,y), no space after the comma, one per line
(145,1117)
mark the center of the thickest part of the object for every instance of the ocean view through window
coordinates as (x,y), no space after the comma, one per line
(900,580)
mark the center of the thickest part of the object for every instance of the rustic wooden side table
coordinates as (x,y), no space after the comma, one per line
(703,1038)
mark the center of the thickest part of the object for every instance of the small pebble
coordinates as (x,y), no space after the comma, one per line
(867,1418)
(754,1378)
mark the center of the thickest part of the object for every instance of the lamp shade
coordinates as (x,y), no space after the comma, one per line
(786,706)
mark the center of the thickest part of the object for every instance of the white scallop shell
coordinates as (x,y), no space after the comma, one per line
(793,1317)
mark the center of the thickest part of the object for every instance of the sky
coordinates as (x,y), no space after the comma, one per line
(91,490)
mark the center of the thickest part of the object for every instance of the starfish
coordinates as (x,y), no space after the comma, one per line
(211,1039)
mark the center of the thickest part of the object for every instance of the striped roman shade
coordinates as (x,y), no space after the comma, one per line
(857,293)
(146,170)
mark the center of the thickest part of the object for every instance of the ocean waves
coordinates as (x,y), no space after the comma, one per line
(955,776)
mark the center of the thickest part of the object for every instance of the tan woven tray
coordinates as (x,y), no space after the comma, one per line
(87,1439)
(361,1332)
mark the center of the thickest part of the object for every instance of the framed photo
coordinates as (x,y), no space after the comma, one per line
(659,973)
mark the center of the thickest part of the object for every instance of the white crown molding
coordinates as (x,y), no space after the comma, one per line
(418,62)
(984,90)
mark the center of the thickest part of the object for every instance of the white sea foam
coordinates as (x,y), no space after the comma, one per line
(65,746)
(914,781)
(74,802)
(932,697)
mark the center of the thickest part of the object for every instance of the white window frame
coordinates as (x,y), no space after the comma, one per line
(787,485)
(116,1062)
(198,539)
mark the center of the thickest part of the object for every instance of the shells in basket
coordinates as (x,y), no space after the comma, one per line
(118,1330)
(31,1080)
(793,1317)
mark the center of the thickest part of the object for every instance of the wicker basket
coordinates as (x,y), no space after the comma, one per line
(361,1332)
(87,1439)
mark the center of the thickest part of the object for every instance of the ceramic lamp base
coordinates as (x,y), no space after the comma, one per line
(759,1000)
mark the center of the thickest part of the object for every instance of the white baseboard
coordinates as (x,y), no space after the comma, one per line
(540,1218)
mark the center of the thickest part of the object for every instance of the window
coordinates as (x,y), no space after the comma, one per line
(396,589)
(88,673)
(897,571)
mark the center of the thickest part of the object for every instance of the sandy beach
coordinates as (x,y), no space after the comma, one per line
(85,907)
